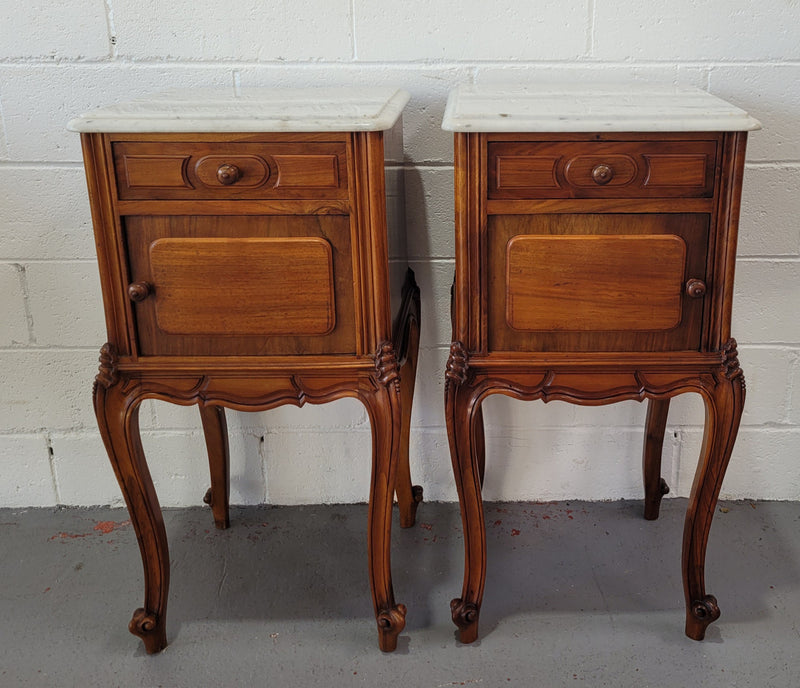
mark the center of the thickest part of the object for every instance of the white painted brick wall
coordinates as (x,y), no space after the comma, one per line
(13,317)
(59,59)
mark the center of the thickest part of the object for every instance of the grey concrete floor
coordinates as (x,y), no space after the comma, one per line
(577,594)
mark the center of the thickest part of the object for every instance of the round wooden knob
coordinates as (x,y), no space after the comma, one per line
(696,288)
(139,291)
(602,174)
(228,174)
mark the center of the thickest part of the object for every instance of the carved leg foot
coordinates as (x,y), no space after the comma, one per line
(390,623)
(149,628)
(406,332)
(700,615)
(381,396)
(465,616)
(724,399)
(462,412)
(655,487)
(116,404)
(215,429)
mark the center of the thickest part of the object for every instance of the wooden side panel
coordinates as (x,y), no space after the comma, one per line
(593,282)
(371,244)
(100,185)
(248,286)
(468,309)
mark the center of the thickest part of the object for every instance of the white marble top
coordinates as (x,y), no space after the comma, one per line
(256,110)
(586,108)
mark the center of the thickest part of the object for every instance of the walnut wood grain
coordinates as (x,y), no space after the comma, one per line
(216,286)
(533,224)
(236,300)
(594,282)
(588,283)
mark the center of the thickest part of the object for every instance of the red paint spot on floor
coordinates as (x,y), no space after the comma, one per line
(68,536)
(47,589)
(426,526)
(497,523)
(102,527)
(546,517)
(514,532)
(106,527)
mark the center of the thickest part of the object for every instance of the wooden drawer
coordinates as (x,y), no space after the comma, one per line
(223,170)
(601,169)
(246,285)
(597,282)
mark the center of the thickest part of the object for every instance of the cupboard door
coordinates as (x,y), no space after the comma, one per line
(241,286)
(596,282)
(250,285)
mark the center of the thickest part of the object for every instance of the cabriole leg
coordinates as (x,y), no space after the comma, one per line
(116,404)
(462,413)
(655,487)
(215,430)
(724,404)
(383,406)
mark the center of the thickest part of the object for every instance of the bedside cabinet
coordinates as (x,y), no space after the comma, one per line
(248,260)
(595,253)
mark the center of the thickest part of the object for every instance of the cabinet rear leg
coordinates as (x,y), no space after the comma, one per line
(215,429)
(407,340)
(655,487)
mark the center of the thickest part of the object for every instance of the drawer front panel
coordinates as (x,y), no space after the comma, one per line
(572,283)
(601,169)
(243,286)
(213,171)
(249,285)
(594,282)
